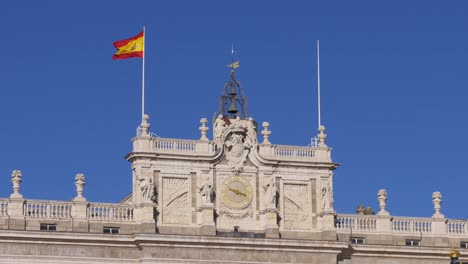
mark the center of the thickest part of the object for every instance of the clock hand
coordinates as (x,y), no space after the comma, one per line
(237,192)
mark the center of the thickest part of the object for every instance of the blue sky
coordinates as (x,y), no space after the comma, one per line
(394,90)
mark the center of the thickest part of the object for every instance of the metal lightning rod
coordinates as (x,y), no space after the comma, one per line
(318,83)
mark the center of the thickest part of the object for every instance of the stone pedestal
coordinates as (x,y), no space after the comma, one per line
(145,215)
(141,144)
(78,213)
(203,147)
(206,213)
(384,223)
(269,221)
(327,225)
(15,211)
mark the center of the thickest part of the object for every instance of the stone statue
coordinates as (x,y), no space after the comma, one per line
(147,189)
(219,126)
(206,192)
(327,197)
(252,131)
(270,193)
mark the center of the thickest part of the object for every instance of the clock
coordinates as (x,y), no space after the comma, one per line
(236,192)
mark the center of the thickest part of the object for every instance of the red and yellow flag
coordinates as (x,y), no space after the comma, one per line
(130,48)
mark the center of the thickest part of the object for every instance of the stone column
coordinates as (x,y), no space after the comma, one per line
(16,203)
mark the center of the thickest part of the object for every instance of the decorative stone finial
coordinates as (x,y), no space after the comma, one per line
(16,179)
(266,133)
(382,198)
(145,126)
(437,201)
(322,136)
(203,129)
(79,183)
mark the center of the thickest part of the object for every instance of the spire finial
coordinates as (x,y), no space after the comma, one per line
(143,129)
(321,136)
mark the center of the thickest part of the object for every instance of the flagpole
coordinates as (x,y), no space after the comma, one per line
(143,77)
(318,82)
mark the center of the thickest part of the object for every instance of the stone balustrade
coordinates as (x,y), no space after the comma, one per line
(44,209)
(356,223)
(349,223)
(293,151)
(457,227)
(273,152)
(411,225)
(191,147)
(47,209)
(110,212)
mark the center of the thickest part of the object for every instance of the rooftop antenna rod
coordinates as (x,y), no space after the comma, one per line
(318,83)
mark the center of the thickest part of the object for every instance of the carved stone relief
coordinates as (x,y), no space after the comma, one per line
(175,199)
(147,186)
(297,211)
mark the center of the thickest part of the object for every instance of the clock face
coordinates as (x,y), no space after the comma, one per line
(236,192)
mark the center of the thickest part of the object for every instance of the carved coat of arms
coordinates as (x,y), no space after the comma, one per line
(237,150)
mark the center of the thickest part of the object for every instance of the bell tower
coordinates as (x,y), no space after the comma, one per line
(233,103)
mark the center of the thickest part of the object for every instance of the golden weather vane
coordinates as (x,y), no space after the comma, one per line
(234,64)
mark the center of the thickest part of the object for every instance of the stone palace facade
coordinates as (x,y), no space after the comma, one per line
(235,198)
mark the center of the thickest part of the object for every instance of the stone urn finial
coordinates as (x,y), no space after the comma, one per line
(203,129)
(16,179)
(266,133)
(321,136)
(382,198)
(79,183)
(437,201)
(145,126)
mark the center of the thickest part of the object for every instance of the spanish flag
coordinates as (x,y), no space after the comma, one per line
(130,48)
